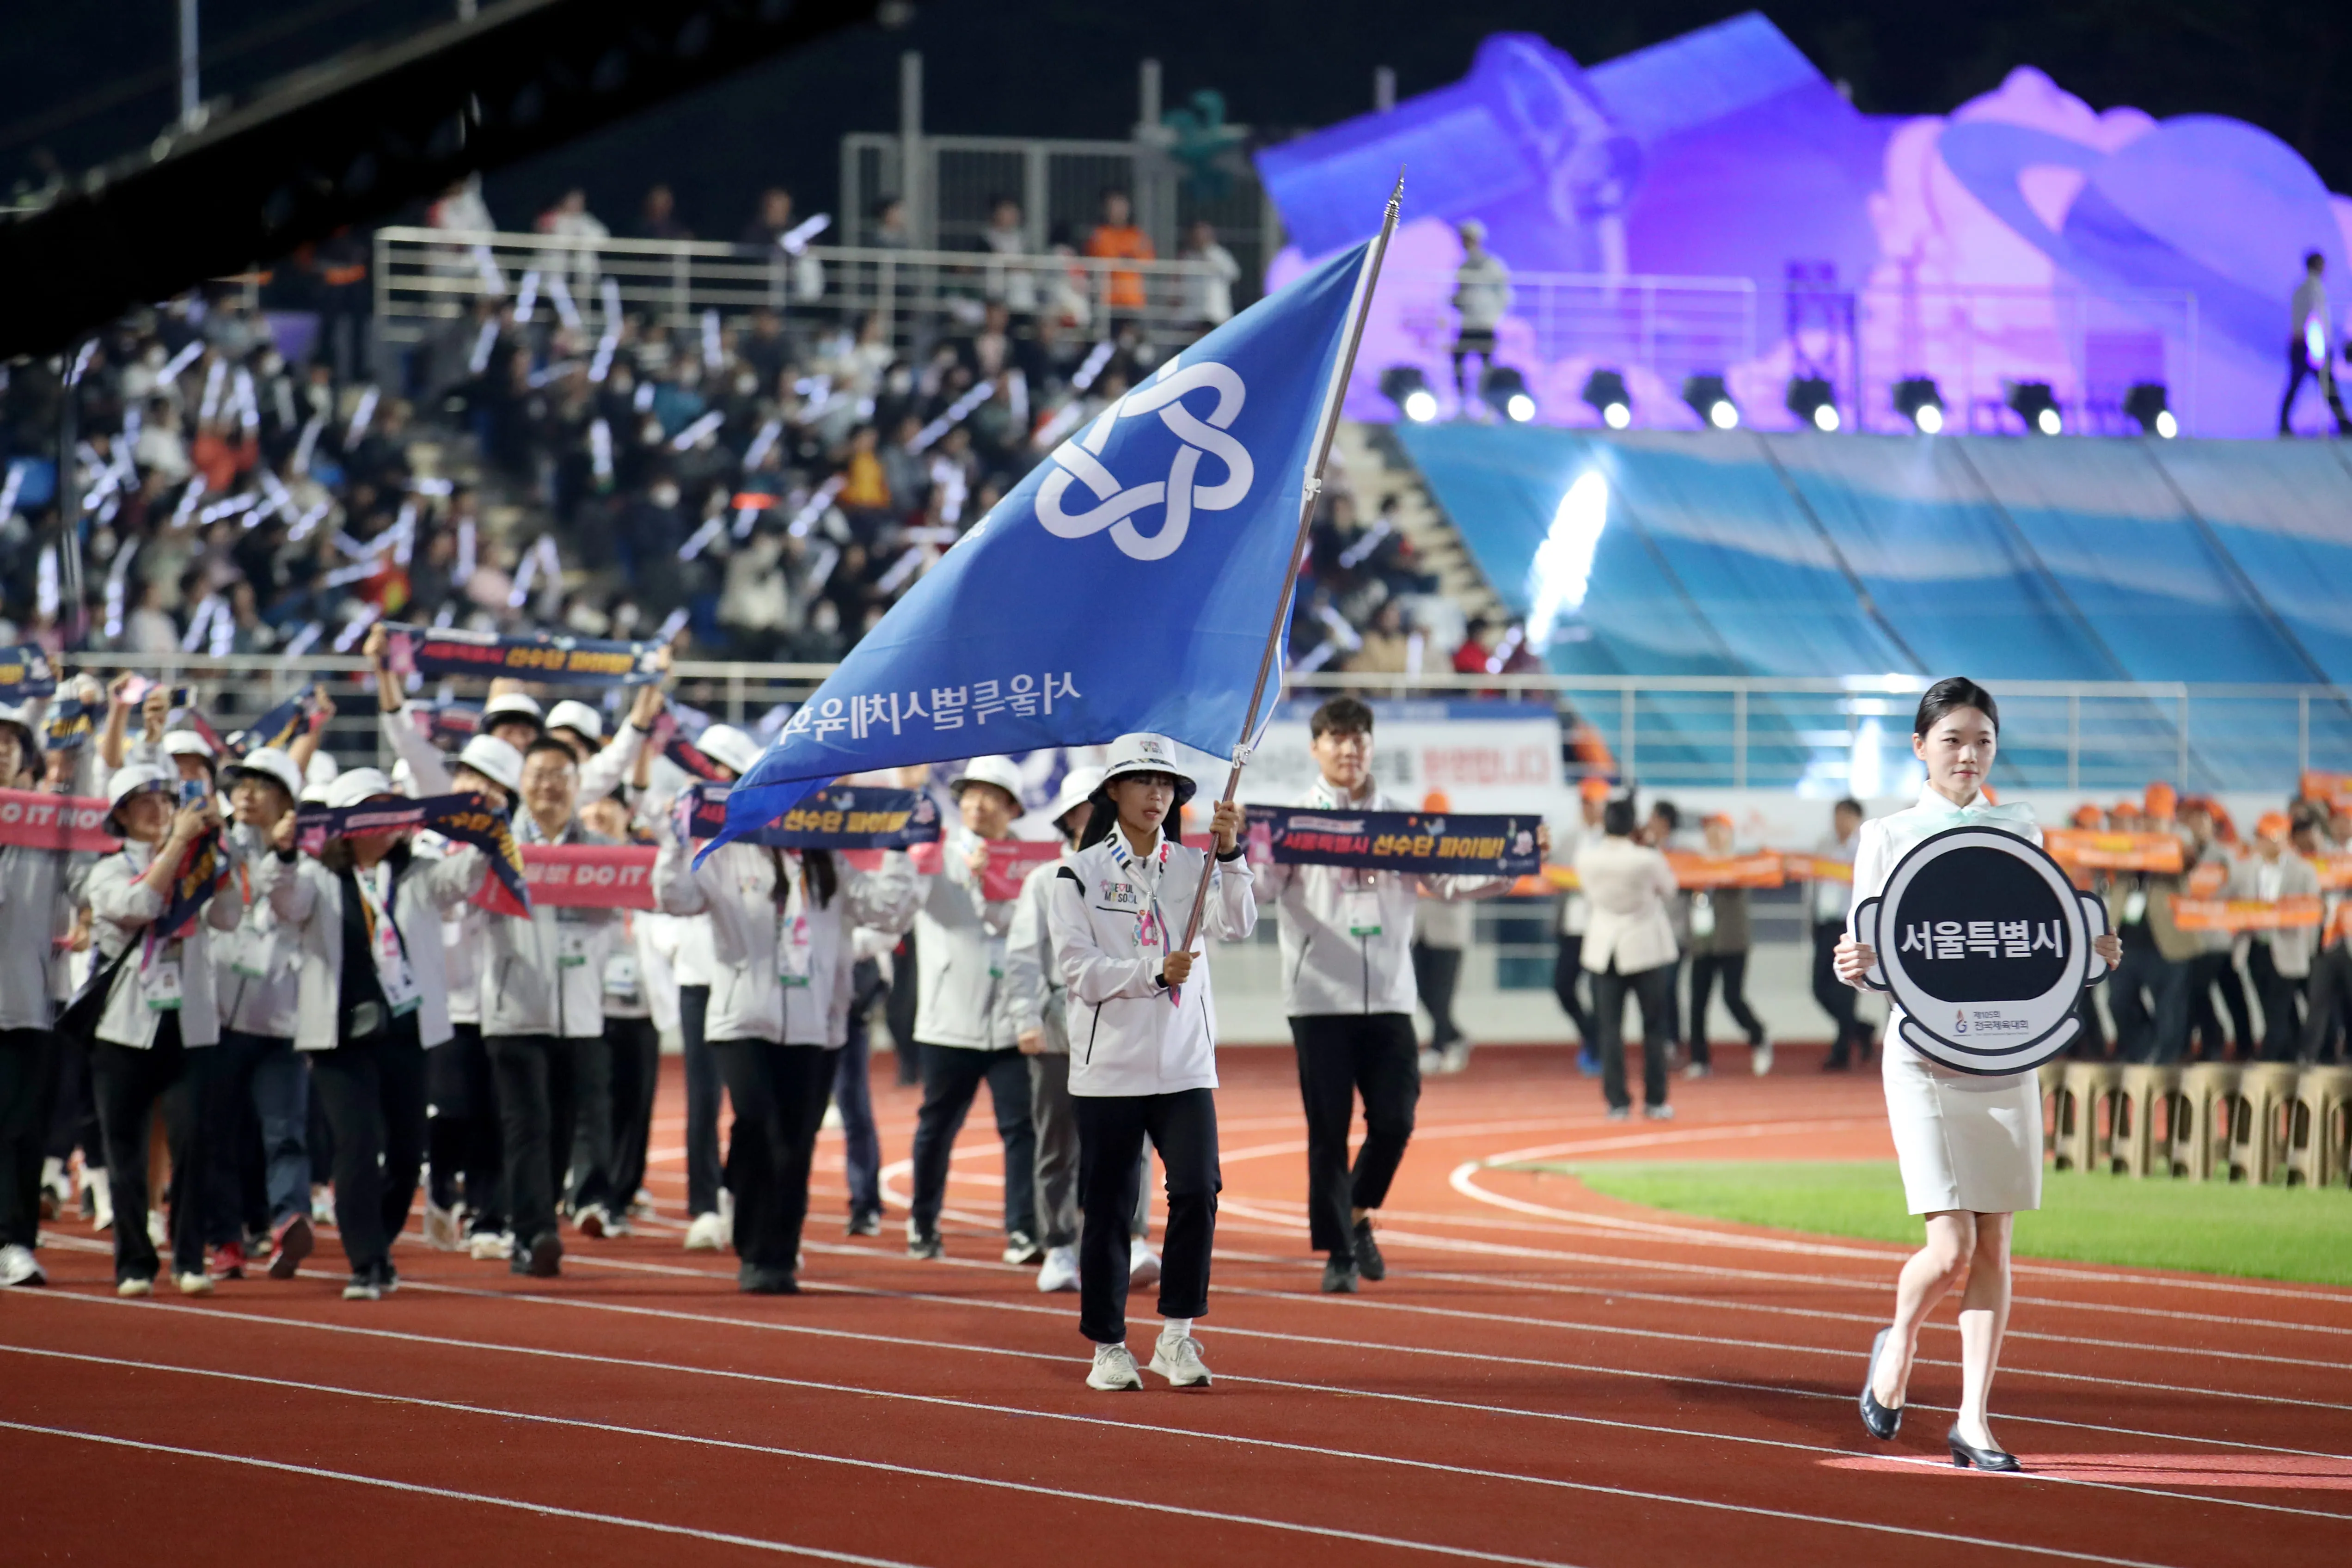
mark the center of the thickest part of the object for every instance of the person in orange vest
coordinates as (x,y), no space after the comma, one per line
(1117,239)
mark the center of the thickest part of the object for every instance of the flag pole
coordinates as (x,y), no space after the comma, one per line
(1334,396)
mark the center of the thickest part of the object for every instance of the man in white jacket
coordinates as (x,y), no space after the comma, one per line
(1348,985)
(964,1037)
(1143,1045)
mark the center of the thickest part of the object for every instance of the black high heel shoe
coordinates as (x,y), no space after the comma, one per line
(1882,1421)
(1966,1453)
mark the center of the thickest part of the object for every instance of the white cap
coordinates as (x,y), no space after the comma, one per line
(1079,787)
(269,763)
(727,745)
(579,716)
(21,718)
(186,743)
(1001,772)
(320,771)
(513,705)
(1147,754)
(128,782)
(494,760)
(359,784)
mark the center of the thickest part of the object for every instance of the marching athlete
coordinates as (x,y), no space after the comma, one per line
(1348,985)
(1143,1045)
(1969,1145)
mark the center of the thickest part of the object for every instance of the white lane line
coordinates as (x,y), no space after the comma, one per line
(445,1341)
(450,1494)
(1463,1471)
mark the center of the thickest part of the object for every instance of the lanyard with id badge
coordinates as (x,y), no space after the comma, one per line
(393,973)
(1361,903)
(792,942)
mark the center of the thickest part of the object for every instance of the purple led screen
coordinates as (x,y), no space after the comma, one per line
(1713,206)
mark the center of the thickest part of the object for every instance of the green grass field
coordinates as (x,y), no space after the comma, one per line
(2263,1233)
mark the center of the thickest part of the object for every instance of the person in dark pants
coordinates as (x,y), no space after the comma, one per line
(73,1124)
(366,914)
(1140,1001)
(1827,897)
(160,1021)
(899,1011)
(2278,961)
(28,1064)
(2214,968)
(1720,938)
(2310,345)
(1441,933)
(1629,948)
(852,1095)
(1567,978)
(1349,990)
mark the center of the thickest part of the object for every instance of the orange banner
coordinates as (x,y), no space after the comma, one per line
(2336,789)
(2335,871)
(2112,851)
(2209,878)
(1802,865)
(1761,870)
(2244,914)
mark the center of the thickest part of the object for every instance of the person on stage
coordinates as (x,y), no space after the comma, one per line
(1143,1044)
(1348,987)
(1969,1145)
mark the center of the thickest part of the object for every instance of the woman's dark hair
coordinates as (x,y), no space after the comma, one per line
(1092,809)
(1617,819)
(1954,692)
(825,878)
(1106,817)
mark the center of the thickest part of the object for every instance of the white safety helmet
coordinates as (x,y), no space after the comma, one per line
(1147,755)
(357,785)
(494,760)
(268,763)
(729,747)
(1001,772)
(133,780)
(578,716)
(1079,787)
(513,707)
(21,718)
(320,771)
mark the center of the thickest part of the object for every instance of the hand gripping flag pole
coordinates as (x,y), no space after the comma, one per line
(1310,490)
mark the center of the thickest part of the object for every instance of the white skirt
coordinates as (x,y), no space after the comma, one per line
(1964,1142)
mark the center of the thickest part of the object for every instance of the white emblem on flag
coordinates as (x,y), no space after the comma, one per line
(1079,461)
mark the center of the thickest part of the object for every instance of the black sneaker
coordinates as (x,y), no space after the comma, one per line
(866,1222)
(1019,1248)
(1339,1276)
(1369,1261)
(542,1260)
(926,1246)
(768,1282)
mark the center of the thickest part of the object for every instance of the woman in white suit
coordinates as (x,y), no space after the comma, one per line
(1629,945)
(1969,1145)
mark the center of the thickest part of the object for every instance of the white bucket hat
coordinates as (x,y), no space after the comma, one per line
(1079,787)
(128,782)
(358,784)
(494,760)
(320,771)
(729,747)
(21,718)
(1147,755)
(513,705)
(269,762)
(577,716)
(187,744)
(1001,772)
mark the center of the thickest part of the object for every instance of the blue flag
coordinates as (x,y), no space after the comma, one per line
(1126,584)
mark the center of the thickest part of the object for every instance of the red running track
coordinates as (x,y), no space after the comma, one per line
(1546,1377)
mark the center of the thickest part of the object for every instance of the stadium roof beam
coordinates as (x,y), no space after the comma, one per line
(356,141)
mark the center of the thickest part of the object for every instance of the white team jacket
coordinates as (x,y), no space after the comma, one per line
(784,973)
(121,908)
(1032,995)
(307,901)
(545,972)
(1110,921)
(960,956)
(1347,934)
(255,964)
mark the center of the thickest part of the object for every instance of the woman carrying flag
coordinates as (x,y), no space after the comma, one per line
(372,999)
(1143,1045)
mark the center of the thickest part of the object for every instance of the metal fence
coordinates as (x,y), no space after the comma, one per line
(1670,327)
(427,279)
(1694,731)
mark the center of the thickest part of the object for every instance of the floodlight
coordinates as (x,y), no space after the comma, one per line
(1711,400)
(1501,388)
(1605,393)
(1917,399)
(1811,400)
(1408,388)
(2032,402)
(2145,404)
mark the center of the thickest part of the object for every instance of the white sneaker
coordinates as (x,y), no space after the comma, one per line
(1697,1070)
(1658,1112)
(157,1234)
(440,1229)
(1431,1064)
(134,1288)
(1061,1271)
(593,1221)
(19,1267)
(322,1205)
(1454,1057)
(1760,1058)
(1114,1369)
(101,1199)
(1178,1360)
(707,1234)
(1142,1263)
(196,1284)
(490,1246)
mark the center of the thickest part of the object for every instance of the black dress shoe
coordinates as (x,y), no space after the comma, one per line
(1369,1261)
(768,1282)
(1882,1421)
(1339,1276)
(544,1258)
(1966,1453)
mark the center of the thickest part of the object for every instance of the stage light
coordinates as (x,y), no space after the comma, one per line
(1405,385)
(1917,400)
(1604,394)
(2145,404)
(2031,401)
(1811,400)
(1711,400)
(1502,388)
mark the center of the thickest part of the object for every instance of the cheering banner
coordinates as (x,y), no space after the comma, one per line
(70,725)
(842,817)
(466,818)
(1802,865)
(31,820)
(448,725)
(1010,861)
(202,868)
(1423,843)
(2246,914)
(24,674)
(669,737)
(2335,871)
(1763,870)
(279,727)
(1986,948)
(2333,789)
(584,877)
(436,652)
(2098,851)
